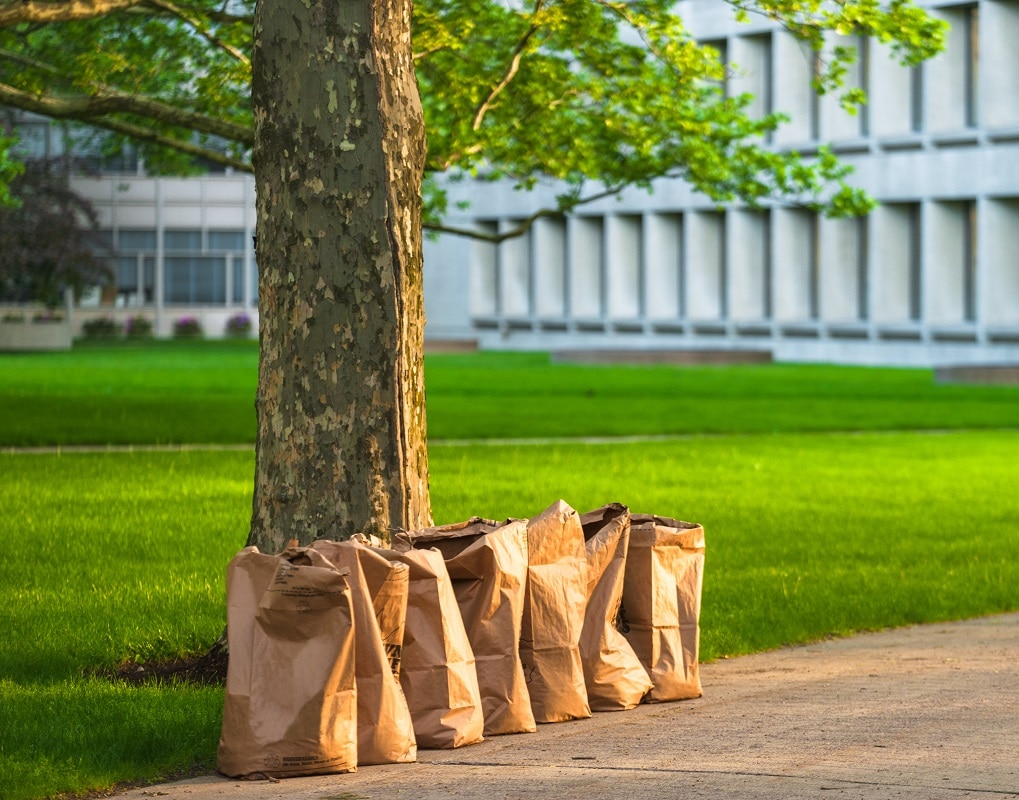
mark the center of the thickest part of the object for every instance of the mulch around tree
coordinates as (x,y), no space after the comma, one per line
(206,669)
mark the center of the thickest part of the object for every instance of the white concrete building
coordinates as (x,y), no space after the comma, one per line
(932,277)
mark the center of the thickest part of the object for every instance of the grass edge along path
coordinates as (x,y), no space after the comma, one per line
(808,536)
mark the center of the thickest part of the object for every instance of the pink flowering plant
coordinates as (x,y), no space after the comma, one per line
(238,325)
(138,327)
(187,328)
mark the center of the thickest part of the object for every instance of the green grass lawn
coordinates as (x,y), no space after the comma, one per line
(120,555)
(130,393)
(188,392)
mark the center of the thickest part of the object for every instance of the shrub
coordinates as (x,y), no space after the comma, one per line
(138,327)
(13,316)
(47,316)
(238,325)
(102,328)
(187,328)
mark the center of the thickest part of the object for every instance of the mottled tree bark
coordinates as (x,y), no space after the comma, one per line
(339,155)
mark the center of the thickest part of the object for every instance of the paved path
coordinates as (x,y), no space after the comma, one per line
(923,713)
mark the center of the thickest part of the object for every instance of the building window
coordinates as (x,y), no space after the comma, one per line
(136,240)
(187,241)
(195,280)
(229,241)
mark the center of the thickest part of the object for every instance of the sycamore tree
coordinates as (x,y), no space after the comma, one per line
(321,101)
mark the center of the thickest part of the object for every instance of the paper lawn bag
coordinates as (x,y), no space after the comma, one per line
(488,564)
(660,616)
(616,680)
(389,586)
(437,670)
(291,703)
(385,733)
(554,605)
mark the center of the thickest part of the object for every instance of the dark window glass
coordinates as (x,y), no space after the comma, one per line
(137,240)
(226,240)
(183,240)
(196,280)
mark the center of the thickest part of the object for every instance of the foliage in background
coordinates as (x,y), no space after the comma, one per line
(48,239)
(138,327)
(10,168)
(101,328)
(597,94)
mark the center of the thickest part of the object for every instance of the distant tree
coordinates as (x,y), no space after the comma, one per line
(10,168)
(48,239)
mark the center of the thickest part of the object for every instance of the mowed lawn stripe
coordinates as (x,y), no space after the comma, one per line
(194,392)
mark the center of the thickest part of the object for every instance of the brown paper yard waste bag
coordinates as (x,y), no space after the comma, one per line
(660,615)
(554,605)
(437,670)
(616,680)
(488,564)
(385,733)
(291,701)
(389,585)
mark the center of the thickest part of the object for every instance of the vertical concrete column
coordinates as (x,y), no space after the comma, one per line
(250,268)
(894,261)
(945,259)
(890,94)
(482,272)
(449,286)
(949,102)
(159,280)
(749,264)
(549,262)
(751,58)
(839,259)
(623,266)
(795,265)
(663,257)
(794,67)
(705,266)
(999,285)
(515,273)
(586,267)
(999,46)
(835,123)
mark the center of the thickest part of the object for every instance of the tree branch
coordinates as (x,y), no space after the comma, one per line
(138,133)
(15,12)
(196,24)
(94,111)
(29,62)
(511,71)
(527,223)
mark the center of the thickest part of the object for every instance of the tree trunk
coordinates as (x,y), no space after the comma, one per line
(339,155)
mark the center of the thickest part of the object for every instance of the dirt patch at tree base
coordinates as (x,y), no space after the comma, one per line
(205,669)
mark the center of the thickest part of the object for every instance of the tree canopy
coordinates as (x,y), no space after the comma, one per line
(598,94)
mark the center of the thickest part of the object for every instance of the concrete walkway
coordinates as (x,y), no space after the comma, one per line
(920,713)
